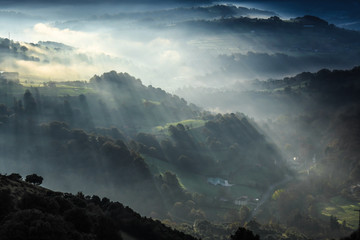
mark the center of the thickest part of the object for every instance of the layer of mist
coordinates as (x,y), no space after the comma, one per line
(174,46)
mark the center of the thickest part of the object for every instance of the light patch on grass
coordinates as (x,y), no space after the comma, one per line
(343,209)
(151,102)
(191,123)
(62,89)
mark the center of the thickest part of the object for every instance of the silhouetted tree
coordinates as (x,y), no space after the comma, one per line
(334,225)
(34,179)
(244,234)
(15,176)
(29,102)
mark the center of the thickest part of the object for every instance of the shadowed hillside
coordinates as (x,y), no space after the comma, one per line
(32,212)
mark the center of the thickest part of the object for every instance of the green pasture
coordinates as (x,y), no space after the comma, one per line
(59,90)
(191,123)
(343,209)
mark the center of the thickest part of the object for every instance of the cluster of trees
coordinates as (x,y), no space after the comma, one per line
(32,178)
(181,204)
(10,48)
(229,137)
(304,28)
(327,88)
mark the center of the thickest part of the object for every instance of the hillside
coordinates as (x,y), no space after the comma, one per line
(140,145)
(319,142)
(113,99)
(170,160)
(32,212)
(86,136)
(313,119)
(261,139)
(296,94)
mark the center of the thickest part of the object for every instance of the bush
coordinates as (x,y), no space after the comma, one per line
(33,201)
(6,203)
(243,233)
(34,224)
(15,177)
(79,218)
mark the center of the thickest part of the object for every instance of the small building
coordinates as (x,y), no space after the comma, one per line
(10,76)
(219,181)
(242,201)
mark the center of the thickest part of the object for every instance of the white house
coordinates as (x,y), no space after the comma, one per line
(243,200)
(219,181)
(10,76)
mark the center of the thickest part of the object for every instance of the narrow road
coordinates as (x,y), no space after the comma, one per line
(265,197)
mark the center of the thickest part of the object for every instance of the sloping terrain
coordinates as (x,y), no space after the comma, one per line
(32,212)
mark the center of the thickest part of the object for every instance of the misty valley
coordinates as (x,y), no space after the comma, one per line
(190,121)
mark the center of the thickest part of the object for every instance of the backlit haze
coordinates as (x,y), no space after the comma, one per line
(161,43)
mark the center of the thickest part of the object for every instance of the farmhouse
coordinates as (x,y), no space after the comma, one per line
(219,181)
(9,76)
(243,200)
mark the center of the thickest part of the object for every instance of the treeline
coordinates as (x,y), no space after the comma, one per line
(9,48)
(329,88)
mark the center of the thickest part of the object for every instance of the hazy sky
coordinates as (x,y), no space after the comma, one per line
(114,35)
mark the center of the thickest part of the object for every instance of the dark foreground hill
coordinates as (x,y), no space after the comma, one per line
(32,212)
(29,211)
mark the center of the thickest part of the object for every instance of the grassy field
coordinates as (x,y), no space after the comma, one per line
(12,89)
(62,89)
(151,102)
(343,209)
